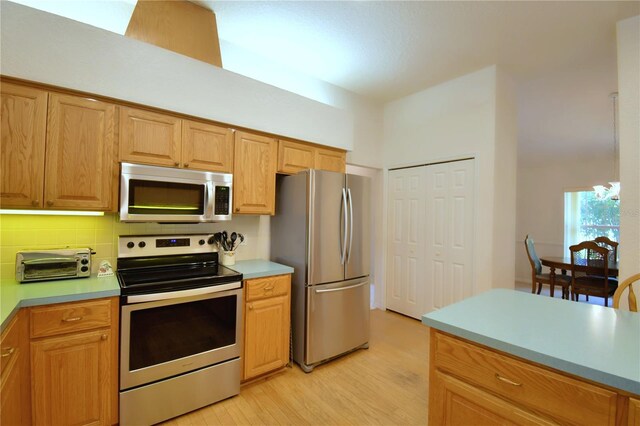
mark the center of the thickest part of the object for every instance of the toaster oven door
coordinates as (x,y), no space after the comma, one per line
(49,268)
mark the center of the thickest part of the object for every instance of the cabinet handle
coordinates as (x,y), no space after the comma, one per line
(186,164)
(268,288)
(72,319)
(49,203)
(250,306)
(176,164)
(504,379)
(34,203)
(8,352)
(103,337)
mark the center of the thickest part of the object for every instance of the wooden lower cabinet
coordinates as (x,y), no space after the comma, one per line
(74,369)
(634,412)
(267,325)
(472,384)
(15,404)
(71,380)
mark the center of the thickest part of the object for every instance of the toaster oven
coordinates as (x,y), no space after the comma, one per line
(44,265)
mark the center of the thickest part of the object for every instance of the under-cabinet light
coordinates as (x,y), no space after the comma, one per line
(52,212)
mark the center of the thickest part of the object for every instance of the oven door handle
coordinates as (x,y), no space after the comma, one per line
(138,298)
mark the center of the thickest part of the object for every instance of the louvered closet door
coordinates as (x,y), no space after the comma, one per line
(449,233)
(406,241)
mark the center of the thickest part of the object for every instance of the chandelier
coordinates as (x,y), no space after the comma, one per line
(613,190)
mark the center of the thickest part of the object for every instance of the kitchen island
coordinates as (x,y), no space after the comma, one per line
(509,355)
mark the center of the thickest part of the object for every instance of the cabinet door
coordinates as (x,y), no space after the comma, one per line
(331,160)
(634,412)
(150,138)
(254,169)
(81,166)
(266,336)
(23,114)
(207,147)
(454,402)
(15,404)
(71,379)
(294,157)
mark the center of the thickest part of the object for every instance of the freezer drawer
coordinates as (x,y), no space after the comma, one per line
(337,319)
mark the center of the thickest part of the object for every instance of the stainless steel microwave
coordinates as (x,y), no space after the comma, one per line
(164,194)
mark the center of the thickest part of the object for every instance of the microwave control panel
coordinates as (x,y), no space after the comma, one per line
(222,200)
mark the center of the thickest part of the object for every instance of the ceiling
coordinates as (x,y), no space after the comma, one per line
(562,55)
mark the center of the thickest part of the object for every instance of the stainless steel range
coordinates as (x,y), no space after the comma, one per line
(181,326)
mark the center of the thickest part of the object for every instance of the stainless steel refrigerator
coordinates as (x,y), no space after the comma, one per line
(321,229)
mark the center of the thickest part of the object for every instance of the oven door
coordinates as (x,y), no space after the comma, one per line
(181,332)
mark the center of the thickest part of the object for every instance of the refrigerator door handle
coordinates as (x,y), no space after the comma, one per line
(350,201)
(343,231)
(329,290)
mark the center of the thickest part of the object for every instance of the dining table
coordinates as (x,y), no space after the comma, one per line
(581,265)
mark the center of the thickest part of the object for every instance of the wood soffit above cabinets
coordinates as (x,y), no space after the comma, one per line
(123,103)
(179,26)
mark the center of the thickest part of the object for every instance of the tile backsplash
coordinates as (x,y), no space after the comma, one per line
(28,232)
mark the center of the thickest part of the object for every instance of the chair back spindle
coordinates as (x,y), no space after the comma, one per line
(633,303)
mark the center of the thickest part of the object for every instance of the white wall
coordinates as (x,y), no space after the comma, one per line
(505,174)
(540,203)
(629,103)
(39,46)
(468,116)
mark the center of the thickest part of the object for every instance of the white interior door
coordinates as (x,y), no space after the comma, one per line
(449,233)
(406,241)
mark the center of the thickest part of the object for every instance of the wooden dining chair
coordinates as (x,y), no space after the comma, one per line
(609,244)
(537,277)
(594,261)
(631,297)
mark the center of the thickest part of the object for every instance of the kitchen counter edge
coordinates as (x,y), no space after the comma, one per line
(14,295)
(258,268)
(525,325)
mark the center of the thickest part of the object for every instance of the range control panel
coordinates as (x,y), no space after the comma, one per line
(158,245)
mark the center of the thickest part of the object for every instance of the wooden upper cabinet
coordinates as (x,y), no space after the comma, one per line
(150,138)
(24,118)
(294,157)
(207,147)
(333,160)
(80,153)
(254,182)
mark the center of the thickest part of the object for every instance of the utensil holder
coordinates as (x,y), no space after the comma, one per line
(228,257)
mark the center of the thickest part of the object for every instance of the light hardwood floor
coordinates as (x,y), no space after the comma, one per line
(383,385)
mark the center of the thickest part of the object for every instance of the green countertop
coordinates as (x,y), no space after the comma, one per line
(593,342)
(14,295)
(258,268)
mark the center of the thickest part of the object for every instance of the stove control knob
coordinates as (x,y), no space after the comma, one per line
(84,269)
(84,261)
(201,242)
(142,244)
(130,244)
(211,240)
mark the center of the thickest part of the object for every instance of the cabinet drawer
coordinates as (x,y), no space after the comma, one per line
(261,288)
(69,317)
(9,344)
(566,399)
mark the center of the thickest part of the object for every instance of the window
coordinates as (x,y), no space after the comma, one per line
(586,217)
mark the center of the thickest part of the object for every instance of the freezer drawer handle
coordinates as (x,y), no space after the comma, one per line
(341,288)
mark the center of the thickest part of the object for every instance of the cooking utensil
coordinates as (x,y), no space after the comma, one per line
(224,240)
(241,237)
(234,237)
